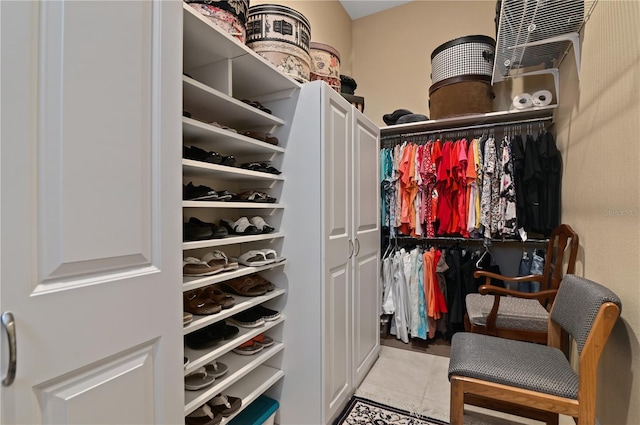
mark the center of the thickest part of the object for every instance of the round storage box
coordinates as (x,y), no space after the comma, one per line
(460,96)
(229,15)
(325,64)
(461,71)
(470,55)
(281,35)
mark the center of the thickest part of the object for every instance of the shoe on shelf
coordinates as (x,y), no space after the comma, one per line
(197,154)
(198,380)
(261,224)
(192,266)
(247,319)
(203,416)
(225,405)
(248,348)
(242,226)
(263,340)
(195,303)
(186,318)
(266,313)
(197,230)
(216,369)
(198,193)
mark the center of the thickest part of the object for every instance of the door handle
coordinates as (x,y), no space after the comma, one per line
(351,248)
(10,325)
(357,247)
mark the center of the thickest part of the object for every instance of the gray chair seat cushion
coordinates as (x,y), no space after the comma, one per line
(515,363)
(513,313)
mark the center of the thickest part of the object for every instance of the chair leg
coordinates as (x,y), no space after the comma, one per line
(553,419)
(456,406)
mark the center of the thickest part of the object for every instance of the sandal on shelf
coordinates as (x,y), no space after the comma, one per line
(248,348)
(242,226)
(254,258)
(262,225)
(198,380)
(186,318)
(272,140)
(253,196)
(272,256)
(225,300)
(224,127)
(197,154)
(263,340)
(262,283)
(203,416)
(225,405)
(194,303)
(258,135)
(244,286)
(220,258)
(192,266)
(216,369)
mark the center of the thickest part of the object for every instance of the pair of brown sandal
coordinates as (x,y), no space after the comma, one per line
(248,286)
(205,301)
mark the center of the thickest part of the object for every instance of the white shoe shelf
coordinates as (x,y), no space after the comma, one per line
(220,72)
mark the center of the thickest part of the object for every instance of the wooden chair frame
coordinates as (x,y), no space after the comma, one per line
(562,238)
(537,405)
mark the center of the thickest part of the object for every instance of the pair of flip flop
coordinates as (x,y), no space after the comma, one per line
(244,226)
(259,257)
(254,345)
(212,263)
(204,376)
(253,196)
(214,410)
(248,286)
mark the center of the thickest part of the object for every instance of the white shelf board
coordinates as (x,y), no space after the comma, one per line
(220,140)
(230,240)
(226,204)
(239,366)
(253,386)
(499,117)
(242,304)
(199,358)
(194,282)
(253,76)
(208,105)
(225,172)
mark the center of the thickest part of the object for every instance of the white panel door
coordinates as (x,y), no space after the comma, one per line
(90,216)
(366,234)
(338,250)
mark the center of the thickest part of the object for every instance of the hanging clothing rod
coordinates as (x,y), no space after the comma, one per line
(469,127)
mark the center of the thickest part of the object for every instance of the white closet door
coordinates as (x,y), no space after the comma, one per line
(366,235)
(338,251)
(90,215)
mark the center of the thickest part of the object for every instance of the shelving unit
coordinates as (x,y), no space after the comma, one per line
(534,37)
(220,73)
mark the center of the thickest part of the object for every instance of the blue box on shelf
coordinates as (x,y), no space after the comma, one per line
(257,413)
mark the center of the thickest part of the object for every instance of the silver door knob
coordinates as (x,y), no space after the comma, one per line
(10,325)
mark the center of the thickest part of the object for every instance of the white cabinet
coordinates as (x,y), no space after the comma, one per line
(332,245)
(220,73)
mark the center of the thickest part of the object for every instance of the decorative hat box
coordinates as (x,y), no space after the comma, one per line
(461,71)
(281,35)
(325,64)
(229,15)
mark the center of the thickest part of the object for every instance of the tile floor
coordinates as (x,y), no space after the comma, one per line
(418,382)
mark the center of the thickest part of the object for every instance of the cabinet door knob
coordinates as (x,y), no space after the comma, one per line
(357,247)
(351,248)
(10,325)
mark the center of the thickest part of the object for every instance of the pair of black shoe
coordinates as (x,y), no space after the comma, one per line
(197,154)
(197,230)
(190,192)
(208,337)
(263,167)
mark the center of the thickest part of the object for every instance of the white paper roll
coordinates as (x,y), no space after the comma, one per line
(523,101)
(542,98)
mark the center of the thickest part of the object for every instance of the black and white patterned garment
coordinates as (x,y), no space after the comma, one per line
(490,198)
(508,224)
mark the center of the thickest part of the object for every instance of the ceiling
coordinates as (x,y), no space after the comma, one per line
(359,8)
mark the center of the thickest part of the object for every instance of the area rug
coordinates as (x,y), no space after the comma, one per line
(360,411)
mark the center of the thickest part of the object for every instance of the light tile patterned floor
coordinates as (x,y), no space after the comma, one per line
(418,382)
